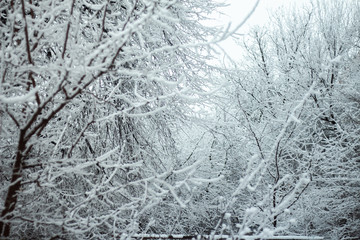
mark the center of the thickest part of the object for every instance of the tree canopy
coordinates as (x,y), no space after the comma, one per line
(117,119)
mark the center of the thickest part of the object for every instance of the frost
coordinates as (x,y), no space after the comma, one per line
(30,96)
(337,59)
(252,210)
(251,188)
(292,220)
(267,232)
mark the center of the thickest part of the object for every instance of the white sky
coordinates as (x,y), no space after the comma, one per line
(239,9)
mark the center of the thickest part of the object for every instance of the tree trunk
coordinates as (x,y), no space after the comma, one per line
(11,197)
(274,206)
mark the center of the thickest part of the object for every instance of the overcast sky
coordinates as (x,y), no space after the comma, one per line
(239,9)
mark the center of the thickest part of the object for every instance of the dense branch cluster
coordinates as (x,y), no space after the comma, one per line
(294,100)
(91,93)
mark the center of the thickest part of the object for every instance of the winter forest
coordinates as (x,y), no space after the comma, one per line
(125,117)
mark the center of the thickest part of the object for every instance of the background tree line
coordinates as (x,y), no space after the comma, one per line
(293,103)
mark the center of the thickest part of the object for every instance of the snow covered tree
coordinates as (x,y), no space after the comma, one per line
(91,94)
(294,102)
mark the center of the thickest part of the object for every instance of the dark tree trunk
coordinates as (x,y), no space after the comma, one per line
(15,184)
(274,206)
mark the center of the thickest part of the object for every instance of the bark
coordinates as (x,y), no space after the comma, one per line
(15,184)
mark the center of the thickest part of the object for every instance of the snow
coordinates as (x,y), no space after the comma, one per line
(252,210)
(337,59)
(30,96)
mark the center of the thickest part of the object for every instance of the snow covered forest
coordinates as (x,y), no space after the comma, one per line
(119,118)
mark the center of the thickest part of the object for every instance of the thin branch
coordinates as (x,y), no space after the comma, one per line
(67,30)
(103,22)
(28,51)
(299,195)
(27,42)
(13,118)
(80,136)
